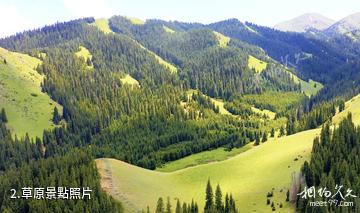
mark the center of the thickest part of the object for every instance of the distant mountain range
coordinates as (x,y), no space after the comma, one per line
(313,21)
(305,22)
(345,25)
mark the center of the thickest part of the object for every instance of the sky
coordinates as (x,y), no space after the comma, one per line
(20,15)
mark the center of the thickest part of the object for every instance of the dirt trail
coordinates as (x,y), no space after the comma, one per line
(108,185)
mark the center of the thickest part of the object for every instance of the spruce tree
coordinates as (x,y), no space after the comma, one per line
(341,106)
(192,208)
(209,201)
(56,116)
(287,196)
(282,131)
(160,206)
(3,116)
(264,137)
(290,127)
(232,204)
(272,134)
(257,139)
(168,205)
(227,204)
(88,62)
(218,199)
(184,208)
(178,207)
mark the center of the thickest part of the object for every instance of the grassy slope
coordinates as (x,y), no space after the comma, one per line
(269,113)
(135,21)
(130,80)
(258,65)
(217,102)
(28,109)
(353,107)
(309,88)
(168,30)
(223,40)
(103,25)
(218,154)
(220,103)
(166,64)
(251,29)
(280,103)
(85,54)
(249,175)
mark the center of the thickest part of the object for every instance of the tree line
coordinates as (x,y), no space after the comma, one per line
(214,203)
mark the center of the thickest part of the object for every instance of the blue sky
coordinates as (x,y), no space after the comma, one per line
(19,15)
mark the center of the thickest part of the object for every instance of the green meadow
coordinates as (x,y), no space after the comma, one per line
(86,55)
(248,176)
(308,87)
(28,109)
(135,21)
(130,81)
(168,30)
(103,25)
(266,112)
(267,101)
(256,64)
(205,157)
(223,40)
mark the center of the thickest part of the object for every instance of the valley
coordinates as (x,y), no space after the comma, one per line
(248,176)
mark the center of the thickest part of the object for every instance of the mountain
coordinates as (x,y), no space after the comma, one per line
(345,25)
(305,22)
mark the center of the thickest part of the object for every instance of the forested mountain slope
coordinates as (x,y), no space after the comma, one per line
(321,59)
(85,70)
(217,70)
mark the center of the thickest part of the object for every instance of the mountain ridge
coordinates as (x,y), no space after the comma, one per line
(348,24)
(305,22)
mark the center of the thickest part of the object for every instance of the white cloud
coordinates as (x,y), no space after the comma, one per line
(12,21)
(88,8)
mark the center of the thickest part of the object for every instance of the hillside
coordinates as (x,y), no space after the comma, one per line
(248,176)
(29,110)
(305,22)
(321,59)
